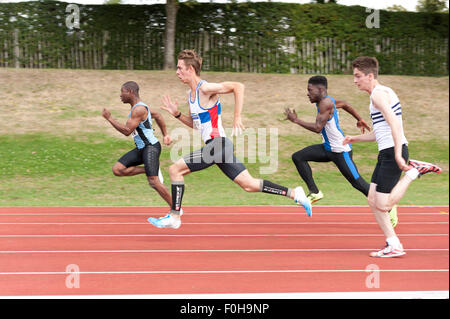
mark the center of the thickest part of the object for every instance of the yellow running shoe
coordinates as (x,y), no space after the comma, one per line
(393,216)
(314,197)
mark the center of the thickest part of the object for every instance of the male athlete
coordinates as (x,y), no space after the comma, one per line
(205,115)
(386,187)
(331,150)
(148,148)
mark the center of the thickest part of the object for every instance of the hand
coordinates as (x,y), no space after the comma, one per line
(238,127)
(290,115)
(363,126)
(348,140)
(106,114)
(169,106)
(167,140)
(402,163)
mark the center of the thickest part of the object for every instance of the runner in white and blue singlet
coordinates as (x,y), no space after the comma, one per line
(332,149)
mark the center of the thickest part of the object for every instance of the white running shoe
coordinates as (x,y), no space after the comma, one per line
(159,222)
(300,198)
(167,221)
(389,251)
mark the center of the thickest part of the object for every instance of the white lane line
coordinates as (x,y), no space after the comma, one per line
(432,294)
(151,272)
(207,250)
(224,223)
(220,235)
(209,213)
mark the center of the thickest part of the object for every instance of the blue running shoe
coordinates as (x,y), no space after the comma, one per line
(167,221)
(300,198)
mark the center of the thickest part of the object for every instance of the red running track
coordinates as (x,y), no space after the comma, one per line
(257,249)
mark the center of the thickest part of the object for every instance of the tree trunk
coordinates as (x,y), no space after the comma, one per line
(169,41)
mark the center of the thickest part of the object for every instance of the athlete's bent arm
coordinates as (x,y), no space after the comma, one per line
(361,124)
(172,108)
(237,89)
(369,137)
(162,125)
(137,115)
(321,119)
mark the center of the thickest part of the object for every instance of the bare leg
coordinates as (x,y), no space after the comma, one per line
(162,190)
(377,200)
(120,170)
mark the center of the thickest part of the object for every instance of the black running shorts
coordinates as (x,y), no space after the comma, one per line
(149,156)
(219,151)
(387,173)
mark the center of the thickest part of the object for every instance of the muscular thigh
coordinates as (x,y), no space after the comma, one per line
(312,153)
(150,158)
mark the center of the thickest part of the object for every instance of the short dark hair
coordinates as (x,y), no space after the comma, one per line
(318,80)
(366,64)
(132,87)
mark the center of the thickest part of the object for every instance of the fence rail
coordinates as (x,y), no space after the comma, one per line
(418,56)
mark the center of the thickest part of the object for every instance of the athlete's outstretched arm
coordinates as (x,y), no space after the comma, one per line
(137,115)
(361,124)
(368,137)
(162,125)
(172,108)
(322,117)
(237,89)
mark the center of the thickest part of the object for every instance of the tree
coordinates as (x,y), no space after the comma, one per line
(396,8)
(326,1)
(432,6)
(169,36)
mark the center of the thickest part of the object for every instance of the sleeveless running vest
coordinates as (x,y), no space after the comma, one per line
(143,134)
(332,135)
(207,120)
(381,128)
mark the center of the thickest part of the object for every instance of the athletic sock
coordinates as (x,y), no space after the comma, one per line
(272,188)
(393,241)
(177,196)
(413,173)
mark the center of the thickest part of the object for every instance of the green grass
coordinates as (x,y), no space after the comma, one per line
(57,149)
(49,170)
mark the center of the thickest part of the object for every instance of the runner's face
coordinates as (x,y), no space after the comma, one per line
(362,80)
(183,73)
(313,93)
(125,95)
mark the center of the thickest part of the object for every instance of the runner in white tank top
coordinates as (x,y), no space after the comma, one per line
(206,119)
(205,114)
(381,128)
(386,188)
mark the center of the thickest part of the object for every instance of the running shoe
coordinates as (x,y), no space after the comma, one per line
(165,222)
(393,216)
(424,167)
(314,197)
(300,198)
(389,251)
